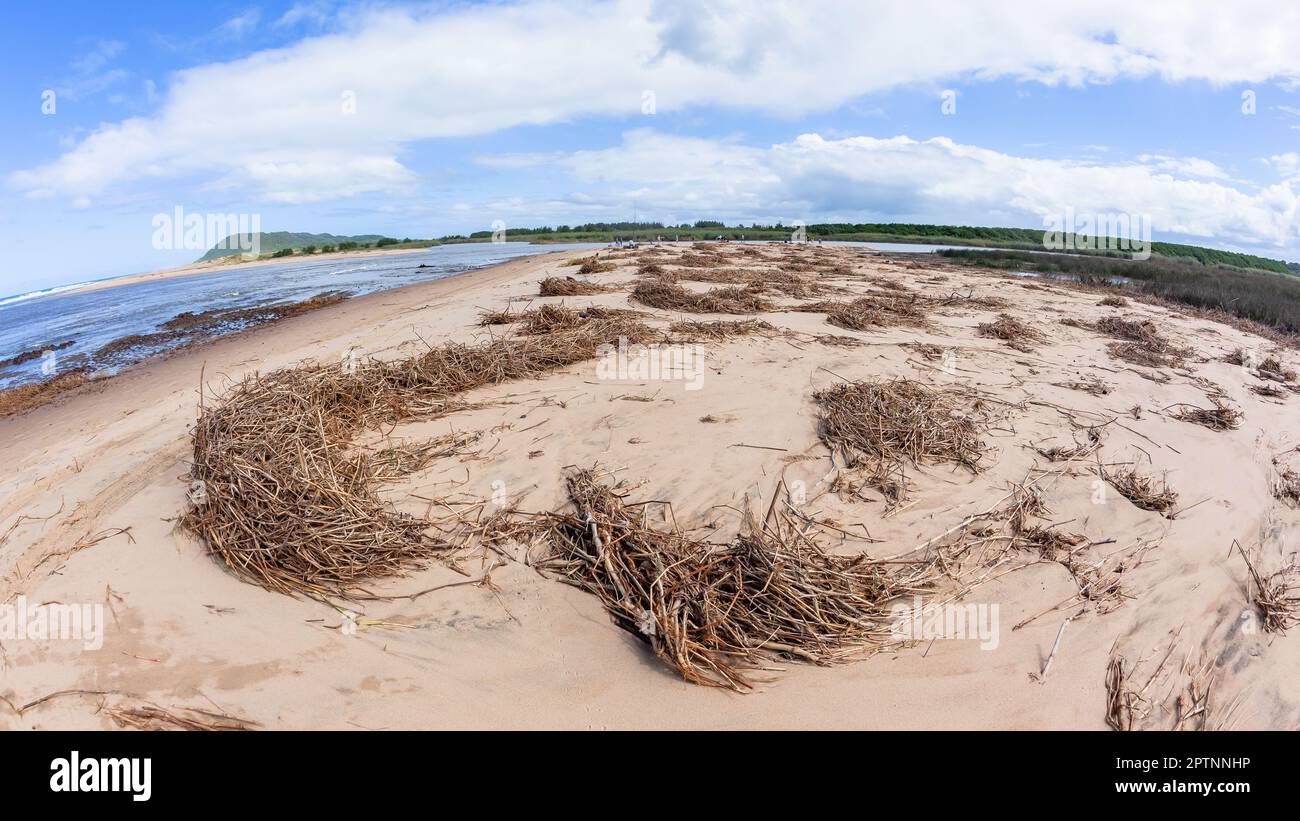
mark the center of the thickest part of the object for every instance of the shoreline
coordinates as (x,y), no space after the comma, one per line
(91,382)
(198,268)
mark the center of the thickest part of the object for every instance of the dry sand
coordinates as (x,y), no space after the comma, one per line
(529,652)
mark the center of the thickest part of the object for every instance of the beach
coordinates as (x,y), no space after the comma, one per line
(97,481)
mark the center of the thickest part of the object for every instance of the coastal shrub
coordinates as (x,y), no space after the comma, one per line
(1270,299)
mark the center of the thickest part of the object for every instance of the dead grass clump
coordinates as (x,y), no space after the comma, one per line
(650,269)
(568,286)
(498,317)
(1274,595)
(1287,485)
(396,461)
(1270,391)
(278,492)
(971,300)
(887,283)
(1273,369)
(1093,386)
(1050,543)
(1144,344)
(1078,450)
(594,267)
(880,425)
(1015,333)
(1144,331)
(689,260)
(24,398)
(725,276)
(1114,301)
(550,318)
(838,341)
(880,311)
(927,351)
(696,331)
(1219,417)
(791,285)
(717,301)
(1136,353)
(716,611)
(1142,490)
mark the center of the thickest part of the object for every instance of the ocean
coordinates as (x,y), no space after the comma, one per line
(77,324)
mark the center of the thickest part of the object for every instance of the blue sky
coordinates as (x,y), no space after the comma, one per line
(539,113)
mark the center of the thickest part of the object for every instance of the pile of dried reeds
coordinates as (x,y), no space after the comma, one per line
(1218,417)
(656,294)
(875,311)
(1015,333)
(792,285)
(284,500)
(568,286)
(716,611)
(1275,594)
(497,317)
(928,351)
(1272,368)
(1142,490)
(1067,453)
(1269,391)
(697,331)
(23,398)
(548,318)
(1287,485)
(881,426)
(595,267)
(1143,345)
(710,260)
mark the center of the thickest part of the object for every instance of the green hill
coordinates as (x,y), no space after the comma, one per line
(280,240)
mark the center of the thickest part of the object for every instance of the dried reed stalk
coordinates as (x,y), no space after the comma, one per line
(716,611)
(284,500)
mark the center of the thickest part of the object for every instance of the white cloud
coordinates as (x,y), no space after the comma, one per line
(88,75)
(316,176)
(99,56)
(1187,166)
(1286,165)
(864,178)
(458,71)
(240,24)
(316,13)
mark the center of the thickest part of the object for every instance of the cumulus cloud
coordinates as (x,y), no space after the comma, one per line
(863,178)
(452,71)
